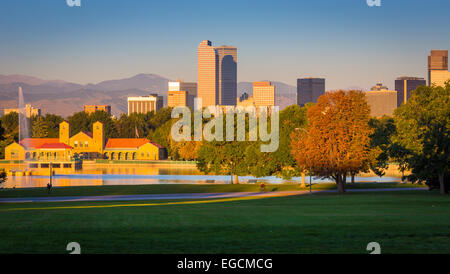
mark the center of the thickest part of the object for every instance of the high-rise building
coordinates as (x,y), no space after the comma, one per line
(438,59)
(438,72)
(404,85)
(177,98)
(217,74)
(264,93)
(381,100)
(208,83)
(144,104)
(309,90)
(93,108)
(189,88)
(227,71)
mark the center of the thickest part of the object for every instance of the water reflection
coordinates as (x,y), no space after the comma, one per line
(95,175)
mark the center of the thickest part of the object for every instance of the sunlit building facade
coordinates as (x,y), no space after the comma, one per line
(84,145)
(217,74)
(264,93)
(381,102)
(144,104)
(93,108)
(208,82)
(176,92)
(438,72)
(176,98)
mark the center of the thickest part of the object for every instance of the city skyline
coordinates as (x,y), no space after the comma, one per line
(293,43)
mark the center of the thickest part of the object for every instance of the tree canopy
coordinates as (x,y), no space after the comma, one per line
(423,134)
(336,142)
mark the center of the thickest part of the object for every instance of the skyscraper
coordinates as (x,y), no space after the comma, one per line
(217,74)
(309,90)
(264,93)
(438,72)
(404,85)
(176,98)
(190,89)
(381,100)
(208,83)
(227,71)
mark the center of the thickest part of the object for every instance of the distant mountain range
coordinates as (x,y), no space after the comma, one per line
(64,98)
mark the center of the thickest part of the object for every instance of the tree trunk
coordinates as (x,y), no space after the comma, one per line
(340,184)
(441,183)
(344,184)
(303,179)
(236,179)
(353,178)
(231,178)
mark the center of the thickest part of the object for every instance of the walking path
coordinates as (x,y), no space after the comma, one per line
(186,196)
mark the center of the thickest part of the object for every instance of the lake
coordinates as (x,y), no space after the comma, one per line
(139,174)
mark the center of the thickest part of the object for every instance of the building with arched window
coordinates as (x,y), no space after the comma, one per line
(84,145)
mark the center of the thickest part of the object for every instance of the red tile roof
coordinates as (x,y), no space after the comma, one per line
(37,142)
(128,142)
(156,144)
(55,146)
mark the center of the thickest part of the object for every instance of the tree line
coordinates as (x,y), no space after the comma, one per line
(335,138)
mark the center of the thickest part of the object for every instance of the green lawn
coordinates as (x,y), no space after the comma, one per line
(402,222)
(175,188)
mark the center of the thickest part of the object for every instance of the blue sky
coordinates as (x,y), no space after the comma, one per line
(345,41)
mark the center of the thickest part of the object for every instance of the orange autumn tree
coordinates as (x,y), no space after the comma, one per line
(336,142)
(187,150)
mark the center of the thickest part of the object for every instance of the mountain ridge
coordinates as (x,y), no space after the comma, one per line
(64,98)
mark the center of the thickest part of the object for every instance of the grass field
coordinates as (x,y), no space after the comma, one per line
(176,188)
(402,222)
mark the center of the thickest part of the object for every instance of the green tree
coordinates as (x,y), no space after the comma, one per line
(109,126)
(127,125)
(3,141)
(2,131)
(237,158)
(79,121)
(227,158)
(39,128)
(10,123)
(423,129)
(52,121)
(280,163)
(380,143)
(162,136)
(160,117)
(2,176)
